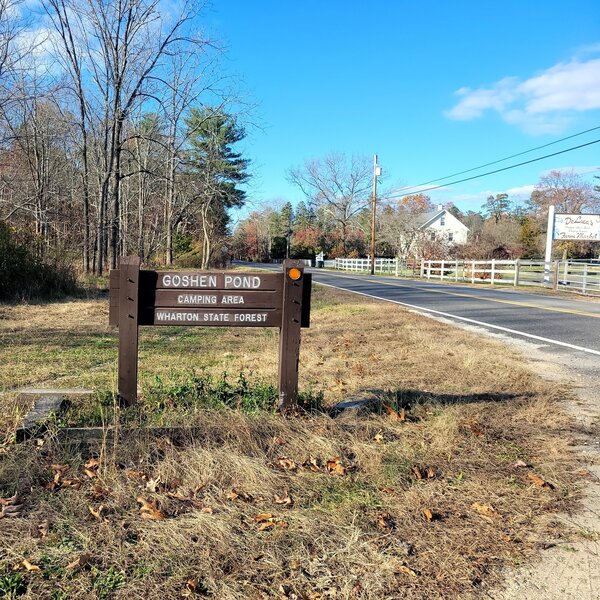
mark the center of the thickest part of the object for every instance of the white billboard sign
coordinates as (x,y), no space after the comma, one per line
(577,227)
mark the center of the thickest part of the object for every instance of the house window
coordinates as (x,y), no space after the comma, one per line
(450,236)
(443,220)
(432,235)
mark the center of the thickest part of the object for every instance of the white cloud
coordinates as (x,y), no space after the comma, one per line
(576,170)
(544,103)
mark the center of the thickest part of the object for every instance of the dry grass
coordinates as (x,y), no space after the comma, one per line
(358,530)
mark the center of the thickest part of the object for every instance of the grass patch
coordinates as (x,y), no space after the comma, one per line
(357,507)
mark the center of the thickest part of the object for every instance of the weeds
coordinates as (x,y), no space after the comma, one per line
(108,582)
(12,585)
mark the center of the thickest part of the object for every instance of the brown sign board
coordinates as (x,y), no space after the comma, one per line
(209,299)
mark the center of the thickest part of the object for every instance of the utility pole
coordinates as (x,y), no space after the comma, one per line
(376,173)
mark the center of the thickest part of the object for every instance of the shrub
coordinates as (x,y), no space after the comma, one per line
(24,276)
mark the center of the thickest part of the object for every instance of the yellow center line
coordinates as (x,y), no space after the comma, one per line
(498,300)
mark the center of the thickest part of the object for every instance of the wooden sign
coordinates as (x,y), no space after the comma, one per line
(220,299)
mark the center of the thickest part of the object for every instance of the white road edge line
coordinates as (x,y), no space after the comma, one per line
(443,314)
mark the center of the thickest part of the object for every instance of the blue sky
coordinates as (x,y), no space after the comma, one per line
(433,88)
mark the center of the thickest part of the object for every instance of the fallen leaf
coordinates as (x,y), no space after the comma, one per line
(521,464)
(79,562)
(539,481)
(97,513)
(136,475)
(73,483)
(266,525)
(29,566)
(57,468)
(43,528)
(417,472)
(378,438)
(99,492)
(428,514)
(286,463)
(93,463)
(152,484)
(150,511)
(335,467)
(393,415)
(372,357)
(406,570)
(485,509)
(385,521)
(10,507)
(312,464)
(9,501)
(207,510)
(430,472)
(235,494)
(260,517)
(91,468)
(190,588)
(284,499)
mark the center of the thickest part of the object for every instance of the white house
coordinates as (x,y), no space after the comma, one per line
(441,224)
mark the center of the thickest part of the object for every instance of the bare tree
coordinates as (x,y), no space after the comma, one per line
(566,191)
(120,48)
(338,185)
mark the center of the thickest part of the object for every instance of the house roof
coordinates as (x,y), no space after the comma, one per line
(425,218)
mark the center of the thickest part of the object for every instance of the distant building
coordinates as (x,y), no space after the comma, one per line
(442,225)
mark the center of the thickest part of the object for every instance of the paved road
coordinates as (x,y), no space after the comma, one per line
(572,324)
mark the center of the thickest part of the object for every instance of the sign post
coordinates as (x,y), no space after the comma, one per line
(210,299)
(289,339)
(129,280)
(549,238)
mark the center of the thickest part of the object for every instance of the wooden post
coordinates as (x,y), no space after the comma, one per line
(493,270)
(442,272)
(585,274)
(517,268)
(555,281)
(289,342)
(128,329)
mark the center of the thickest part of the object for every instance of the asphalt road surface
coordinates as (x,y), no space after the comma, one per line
(551,321)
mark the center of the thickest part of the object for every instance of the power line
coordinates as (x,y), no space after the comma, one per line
(495,162)
(435,187)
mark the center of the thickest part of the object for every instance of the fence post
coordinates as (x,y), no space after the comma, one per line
(397,272)
(422,274)
(442,272)
(456,271)
(493,270)
(473,271)
(555,275)
(429,269)
(585,274)
(517,268)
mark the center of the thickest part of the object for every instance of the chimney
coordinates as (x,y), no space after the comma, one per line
(440,207)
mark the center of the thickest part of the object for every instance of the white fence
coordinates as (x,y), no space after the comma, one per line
(564,275)
(570,276)
(391,266)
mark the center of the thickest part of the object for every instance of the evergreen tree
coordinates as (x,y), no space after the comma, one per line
(216,171)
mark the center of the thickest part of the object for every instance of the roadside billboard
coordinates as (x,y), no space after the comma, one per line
(576,227)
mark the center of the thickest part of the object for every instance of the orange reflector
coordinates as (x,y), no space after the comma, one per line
(294,274)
